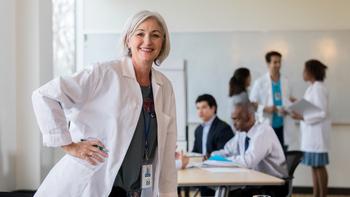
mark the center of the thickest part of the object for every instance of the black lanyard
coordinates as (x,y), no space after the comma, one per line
(147,125)
(146,129)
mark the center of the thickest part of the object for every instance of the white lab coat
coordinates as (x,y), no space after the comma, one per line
(261,93)
(104,103)
(316,127)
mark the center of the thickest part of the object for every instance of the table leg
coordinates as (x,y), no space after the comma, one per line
(222,191)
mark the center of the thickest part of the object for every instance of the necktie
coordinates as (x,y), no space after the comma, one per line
(246,143)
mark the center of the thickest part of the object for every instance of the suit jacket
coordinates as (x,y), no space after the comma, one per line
(219,133)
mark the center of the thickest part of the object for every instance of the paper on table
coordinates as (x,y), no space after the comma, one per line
(304,107)
(224,170)
(192,154)
(194,165)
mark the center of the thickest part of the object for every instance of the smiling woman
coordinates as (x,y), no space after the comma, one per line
(145,45)
(121,138)
(157,30)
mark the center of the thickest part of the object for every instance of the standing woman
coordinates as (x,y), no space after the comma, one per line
(239,83)
(116,122)
(315,128)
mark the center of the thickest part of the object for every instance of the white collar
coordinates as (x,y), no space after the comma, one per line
(209,122)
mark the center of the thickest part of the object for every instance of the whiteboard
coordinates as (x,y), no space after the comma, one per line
(212,57)
(175,72)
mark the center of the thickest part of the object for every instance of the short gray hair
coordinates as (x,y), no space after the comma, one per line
(133,22)
(247,107)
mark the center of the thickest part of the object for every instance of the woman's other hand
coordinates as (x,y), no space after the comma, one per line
(87,150)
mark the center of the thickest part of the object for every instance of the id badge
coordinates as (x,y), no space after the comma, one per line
(147,176)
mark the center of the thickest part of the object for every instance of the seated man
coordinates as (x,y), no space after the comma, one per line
(255,146)
(212,134)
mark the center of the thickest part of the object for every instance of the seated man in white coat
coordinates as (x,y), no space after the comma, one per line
(255,145)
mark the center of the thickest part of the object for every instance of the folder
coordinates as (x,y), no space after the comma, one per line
(220,161)
(303,107)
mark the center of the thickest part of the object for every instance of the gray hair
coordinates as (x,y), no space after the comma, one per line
(133,22)
(247,107)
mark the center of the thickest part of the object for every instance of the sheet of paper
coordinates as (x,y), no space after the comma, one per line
(194,165)
(192,154)
(303,107)
(224,170)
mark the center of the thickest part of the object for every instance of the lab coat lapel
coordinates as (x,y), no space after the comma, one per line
(269,89)
(285,92)
(129,72)
(162,119)
(133,97)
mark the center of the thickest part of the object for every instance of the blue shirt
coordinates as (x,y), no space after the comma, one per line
(277,119)
(206,127)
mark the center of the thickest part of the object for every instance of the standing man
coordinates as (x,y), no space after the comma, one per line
(272,94)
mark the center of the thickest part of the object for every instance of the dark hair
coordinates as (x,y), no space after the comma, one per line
(209,99)
(238,81)
(270,54)
(316,68)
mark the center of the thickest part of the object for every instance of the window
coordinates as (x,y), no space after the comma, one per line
(64,36)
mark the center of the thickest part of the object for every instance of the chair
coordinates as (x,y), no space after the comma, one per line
(293,159)
(19,193)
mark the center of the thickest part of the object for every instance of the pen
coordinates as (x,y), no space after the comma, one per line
(97,146)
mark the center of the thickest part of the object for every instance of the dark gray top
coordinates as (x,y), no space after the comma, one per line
(129,175)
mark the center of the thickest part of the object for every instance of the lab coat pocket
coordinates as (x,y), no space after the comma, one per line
(163,129)
(167,120)
(68,178)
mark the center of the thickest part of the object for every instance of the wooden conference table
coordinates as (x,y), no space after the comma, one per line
(224,178)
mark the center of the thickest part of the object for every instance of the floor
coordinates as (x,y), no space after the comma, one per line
(296,195)
(304,195)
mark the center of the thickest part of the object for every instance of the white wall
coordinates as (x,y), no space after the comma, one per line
(240,15)
(25,63)
(28,62)
(8,94)
(223,15)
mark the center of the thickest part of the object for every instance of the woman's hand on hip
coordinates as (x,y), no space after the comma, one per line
(87,150)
